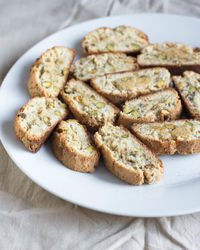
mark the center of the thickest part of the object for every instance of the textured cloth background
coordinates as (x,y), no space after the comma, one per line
(31,218)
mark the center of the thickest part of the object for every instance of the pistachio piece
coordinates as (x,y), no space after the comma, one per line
(56,89)
(156,71)
(183,84)
(163,56)
(22,115)
(68,90)
(124,136)
(170,126)
(127,109)
(136,113)
(90,148)
(148,166)
(137,150)
(46,120)
(100,105)
(135,46)
(57,112)
(166,100)
(192,89)
(160,84)
(110,47)
(124,79)
(188,123)
(64,72)
(47,84)
(94,112)
(93,71)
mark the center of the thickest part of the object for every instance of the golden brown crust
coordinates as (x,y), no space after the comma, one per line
(91,123)
(33,143)
(169,147)
(71,158)
(128,121)
(118,99)
(186,104)
(130,176)
(85,49)
(34,86)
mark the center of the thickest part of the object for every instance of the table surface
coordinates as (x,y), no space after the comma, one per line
(32,218)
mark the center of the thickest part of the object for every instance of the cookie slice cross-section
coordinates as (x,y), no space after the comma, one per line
(120,39)
(72,145)
(126,157)
(35,121)
(87,106)
(49,73)
(88,67)
(188,87)
(176,57)
(119,87)
(163,105)
(182,136)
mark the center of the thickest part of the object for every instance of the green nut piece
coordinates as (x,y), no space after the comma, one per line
(100,105)
(135,114)
(127,110)
(90,148)
(46,120)
(47,84)
(94,112)
(110,47)
(135,46)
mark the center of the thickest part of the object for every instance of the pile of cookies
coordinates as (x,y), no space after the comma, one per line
(121,92)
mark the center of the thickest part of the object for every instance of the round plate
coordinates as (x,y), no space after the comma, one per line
(177,193)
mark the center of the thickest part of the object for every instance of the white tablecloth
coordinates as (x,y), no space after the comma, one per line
(30,217)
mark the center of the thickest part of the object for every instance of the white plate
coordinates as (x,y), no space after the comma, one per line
(177,193)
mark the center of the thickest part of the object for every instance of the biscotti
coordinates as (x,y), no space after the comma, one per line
(126,157)
(177,57)
(122,86)
(120,39)
(188,87)
(159,106)
(72,145)
(96,65)
(182,136)
(87,105)
(35,121)
(49,73)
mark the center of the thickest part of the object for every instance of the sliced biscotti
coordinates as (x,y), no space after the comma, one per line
(122,86)
(72,145)
(87,105)
(188,87)
(120,39)
(97,65)
(159,106)
(177,57)
(126,157)
(35,121)
(49,73)
(182,136)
